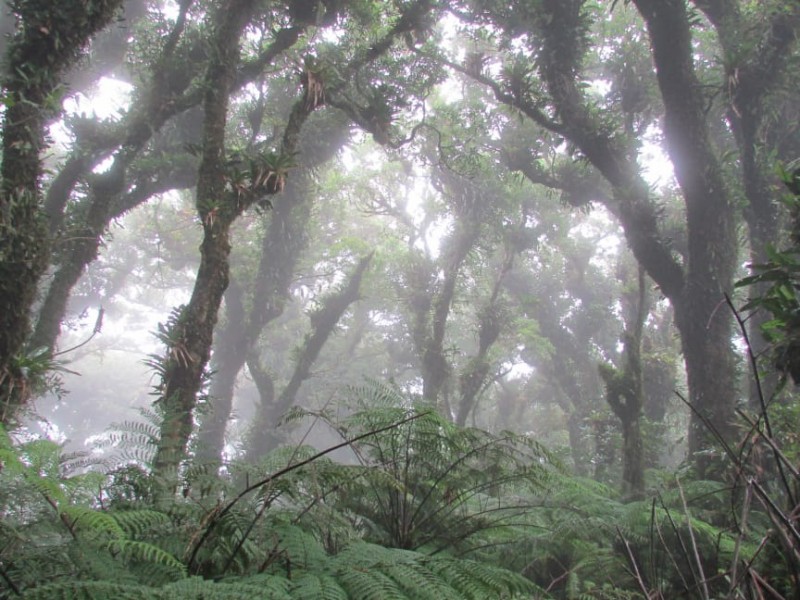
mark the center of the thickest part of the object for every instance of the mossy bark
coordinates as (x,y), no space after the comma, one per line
(263,301)
(711,225)
(48,40)
(697,287)
(186,359)
(625,391)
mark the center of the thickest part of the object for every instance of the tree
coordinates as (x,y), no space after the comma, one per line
(262,436)
(46,42)
(625,393)
(224,193)
(555,37)
(283,243)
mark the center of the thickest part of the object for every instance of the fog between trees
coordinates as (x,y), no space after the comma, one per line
(224,224)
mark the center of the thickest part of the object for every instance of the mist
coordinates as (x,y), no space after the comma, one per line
(363,274)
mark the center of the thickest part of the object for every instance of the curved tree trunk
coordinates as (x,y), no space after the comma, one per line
(189,341)
(46,43)
(754,73)
(167,97)
(229,356)
(282,245)
(571,367)
(491,321)
(85,245)
(263,437)
(705,328)
(430,301)
(695,289)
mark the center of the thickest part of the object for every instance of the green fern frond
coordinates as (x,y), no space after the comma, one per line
(273,586)
(478,581)
(132,550)
(136,523)
(369,585)
(241,589)
(418,582)
(95,522)
(299,547)
(91,590)
(317,586)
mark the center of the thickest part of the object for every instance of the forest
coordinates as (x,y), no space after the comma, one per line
(409,299)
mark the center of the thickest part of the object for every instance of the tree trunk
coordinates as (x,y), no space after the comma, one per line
(166,97)
(189,341)
(571,369)
(85,247)
(491,321)
(697,289)
(625,390)
(283,243)
(436,369)
(229,356)
(47,42)
(701,315)
(625,397)
(755,70)
(262,437)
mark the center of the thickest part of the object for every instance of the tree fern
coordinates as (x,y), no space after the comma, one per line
(140,522)
(318,586)
(419,483)
(240,589)
(91,590)
(474,580)
(84,520)
(142,552)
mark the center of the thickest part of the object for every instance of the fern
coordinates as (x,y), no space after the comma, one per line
(95,523)
(318,586)
(429,484)
(133,551)
(137,523)
(91,590)
(196,587)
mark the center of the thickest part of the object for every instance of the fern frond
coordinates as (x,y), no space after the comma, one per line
(317,586)
(94,522)
(135,523)
(300,547)
(131,550)
(478,581)
(241,589)
(91,590)
(369,585)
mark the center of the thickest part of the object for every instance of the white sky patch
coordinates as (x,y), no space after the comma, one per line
(170,9)
(657,167)
(602,229)
(600,86)
(111,98)
(520,370)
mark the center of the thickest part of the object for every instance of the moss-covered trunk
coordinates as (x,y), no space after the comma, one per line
(190,340)
(48,40)
(705,328)
(282,246)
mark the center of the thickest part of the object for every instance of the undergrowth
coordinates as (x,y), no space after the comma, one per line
(422,509)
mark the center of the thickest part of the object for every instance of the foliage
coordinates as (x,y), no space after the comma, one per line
(779,279)
(430,485)
(445,149)
(69,534)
